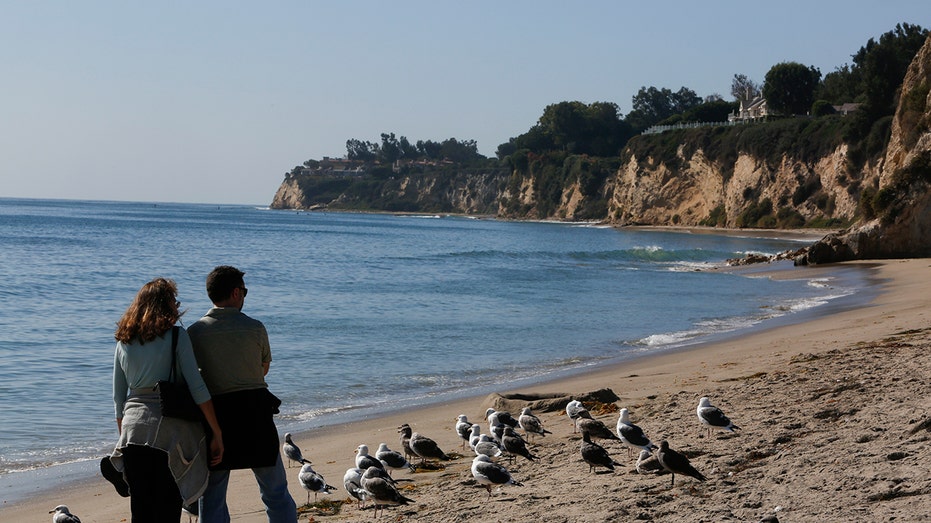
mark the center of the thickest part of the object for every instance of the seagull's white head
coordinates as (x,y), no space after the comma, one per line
(625,416)
(644,454)
(363,450)
(476,430)
(704,402)
(489,412)
(525,411)
(60,508)
(382,447)
(463,418)
(482,457)
(306,468)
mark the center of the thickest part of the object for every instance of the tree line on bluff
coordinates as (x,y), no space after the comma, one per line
(599,130)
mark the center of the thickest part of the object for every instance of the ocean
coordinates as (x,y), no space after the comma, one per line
(365,312)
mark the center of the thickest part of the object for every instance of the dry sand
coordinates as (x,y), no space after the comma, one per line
(834,418)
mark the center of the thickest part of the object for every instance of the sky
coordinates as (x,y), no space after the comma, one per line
(214,101)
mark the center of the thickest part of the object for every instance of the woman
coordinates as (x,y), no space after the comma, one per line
(163,459)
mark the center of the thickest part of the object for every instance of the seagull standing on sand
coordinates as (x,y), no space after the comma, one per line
(497,431)
(632,435)
(531,424)
(595,455)
(676,463)
(595,429)
(515,445)
(405,431)
(463,429)
(352,481)
(313,482)
(488,447)
(291,451)
(426,448)
(494,417)
(381,491)
(392,459)
(575,410)
(713,417)
(61,514)
(364,460)
(475,436)
(489,474)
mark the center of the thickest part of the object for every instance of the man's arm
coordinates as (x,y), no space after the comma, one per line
(265,368)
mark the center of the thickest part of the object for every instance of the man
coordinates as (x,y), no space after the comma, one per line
(234,355)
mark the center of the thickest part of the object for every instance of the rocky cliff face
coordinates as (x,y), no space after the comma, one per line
(289,195)
(689,187)
(648,192)
(902,226)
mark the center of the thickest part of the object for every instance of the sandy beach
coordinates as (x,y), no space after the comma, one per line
(834,417)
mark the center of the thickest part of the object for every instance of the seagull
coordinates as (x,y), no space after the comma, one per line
(392,459)
(632,435)
(352,481)
(516,445)
(405,431)
(595,429)
(381,491)
(575,410)
(488,447)
(476,434)
(426,448)
(647,463)
(63,515)
(497,431)
(494,417)
(313,482)
(463,428)
(364,460)
(713,417)
(595,455)
(676,463)
(531,424)
(489,474)
(291,451)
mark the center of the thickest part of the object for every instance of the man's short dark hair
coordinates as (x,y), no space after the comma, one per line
(221,281)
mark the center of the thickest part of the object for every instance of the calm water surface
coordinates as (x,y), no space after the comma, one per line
(364,311)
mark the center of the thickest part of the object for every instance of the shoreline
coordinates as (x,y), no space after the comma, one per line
(899,306)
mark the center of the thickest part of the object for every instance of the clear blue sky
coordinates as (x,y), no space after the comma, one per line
(213,101)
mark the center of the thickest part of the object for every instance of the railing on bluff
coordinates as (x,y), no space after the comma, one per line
(656,129)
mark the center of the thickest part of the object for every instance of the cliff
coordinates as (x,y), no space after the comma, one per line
(900,221)
(464,191)
(783,174)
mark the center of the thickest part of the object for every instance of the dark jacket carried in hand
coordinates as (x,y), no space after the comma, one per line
(250,438)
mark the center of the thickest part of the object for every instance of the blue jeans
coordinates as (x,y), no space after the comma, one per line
(273,485)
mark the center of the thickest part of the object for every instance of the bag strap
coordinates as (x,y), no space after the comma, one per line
(174,351)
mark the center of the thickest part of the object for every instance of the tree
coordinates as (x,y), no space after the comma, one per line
(841,86)
(390,148)
(652,105)
(743,88)
(789,87)
(359,150)
(712,111)
(882,66)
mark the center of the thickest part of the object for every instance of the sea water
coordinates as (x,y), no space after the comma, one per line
(365,312)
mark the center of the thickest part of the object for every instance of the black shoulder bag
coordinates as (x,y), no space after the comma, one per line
(175,398)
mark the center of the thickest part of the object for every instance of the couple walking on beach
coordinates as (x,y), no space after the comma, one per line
(168,462)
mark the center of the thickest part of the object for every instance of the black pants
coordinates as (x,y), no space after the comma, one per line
(155,497)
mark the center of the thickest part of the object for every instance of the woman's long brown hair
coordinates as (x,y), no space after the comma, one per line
(151,314)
